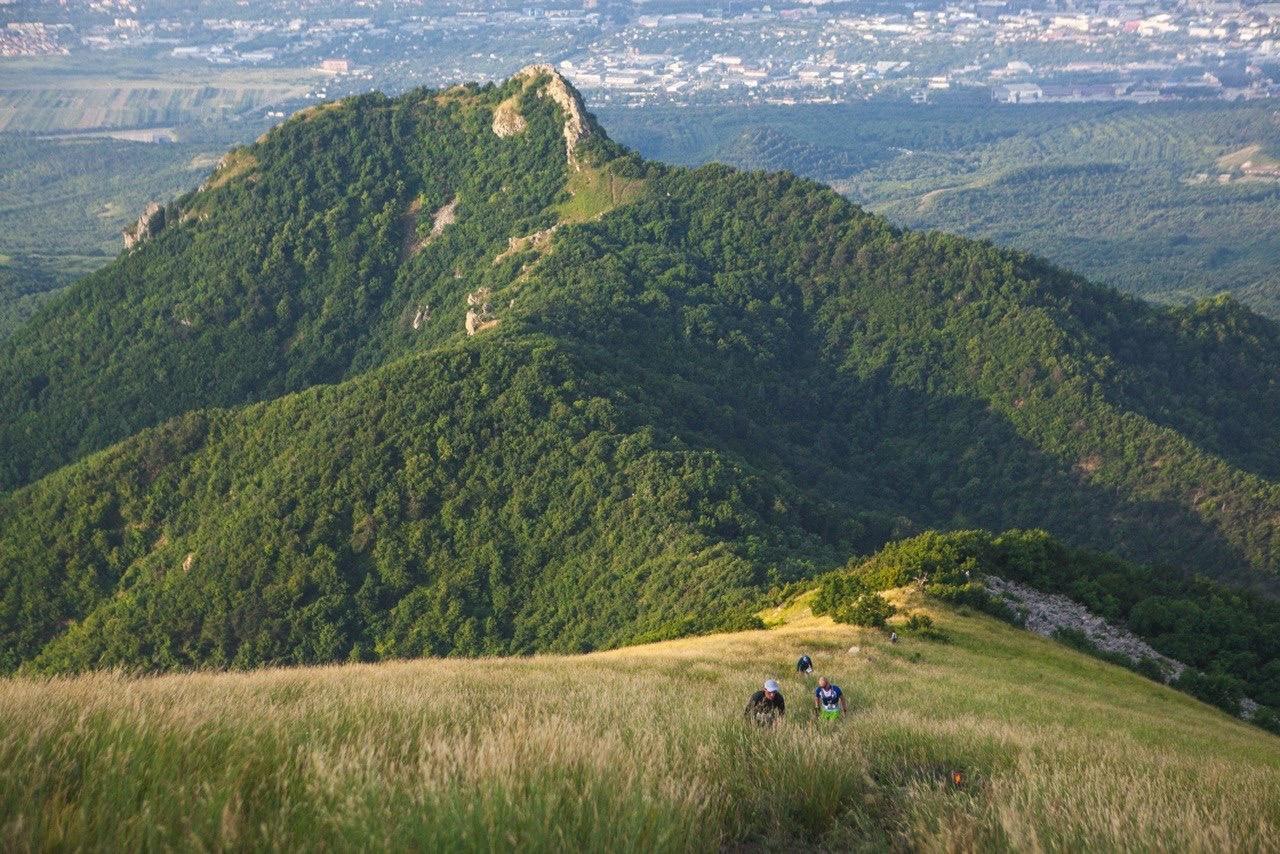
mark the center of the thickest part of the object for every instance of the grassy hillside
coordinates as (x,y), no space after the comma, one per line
(643,749)
(1229,640)
(1128,195)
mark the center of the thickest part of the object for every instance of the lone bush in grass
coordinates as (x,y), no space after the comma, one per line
(1152,669)
(920,624)
(836,591)
(1268,719)
(1218,689)
(870,610)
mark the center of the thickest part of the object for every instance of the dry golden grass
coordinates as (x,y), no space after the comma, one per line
(642,749)
(233,165)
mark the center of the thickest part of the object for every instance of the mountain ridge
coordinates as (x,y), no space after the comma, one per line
(310,256)
(695,385)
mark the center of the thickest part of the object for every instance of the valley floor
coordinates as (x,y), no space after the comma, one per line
(643,749)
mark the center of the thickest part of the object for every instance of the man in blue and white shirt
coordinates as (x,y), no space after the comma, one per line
(829,700)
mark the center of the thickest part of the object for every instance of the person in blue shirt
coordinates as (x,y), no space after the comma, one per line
(805,664)
(828,700)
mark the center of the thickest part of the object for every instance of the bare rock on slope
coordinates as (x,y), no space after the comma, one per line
(444,217)
(1047,613)
(576,125)
(507,120)
(148,225)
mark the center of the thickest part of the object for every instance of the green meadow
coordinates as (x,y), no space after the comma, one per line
(643,749)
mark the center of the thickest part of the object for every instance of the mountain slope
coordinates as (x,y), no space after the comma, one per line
(687,386)
(644,747)
(1115,191)
(301,260)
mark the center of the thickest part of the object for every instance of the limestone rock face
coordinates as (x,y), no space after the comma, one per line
(480,313)
(421,316)
(148,225)
(539,240)
(576,125)
(507,120)
(444,217)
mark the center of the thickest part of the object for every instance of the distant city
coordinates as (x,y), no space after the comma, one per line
(636,53)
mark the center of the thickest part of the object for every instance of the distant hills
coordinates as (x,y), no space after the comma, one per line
(265,434)
(1153,199)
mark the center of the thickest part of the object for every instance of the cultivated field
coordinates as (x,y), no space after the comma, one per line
(50,101)
(642,749)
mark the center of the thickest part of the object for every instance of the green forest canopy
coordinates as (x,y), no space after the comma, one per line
(1126,194)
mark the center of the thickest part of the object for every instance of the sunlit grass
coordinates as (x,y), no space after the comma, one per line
(594,191)
(642,749)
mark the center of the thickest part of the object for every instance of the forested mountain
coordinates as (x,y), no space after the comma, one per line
(22,292)
(683,387)
(291,266)
(1150,198)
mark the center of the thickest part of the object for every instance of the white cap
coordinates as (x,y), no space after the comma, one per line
(771,685)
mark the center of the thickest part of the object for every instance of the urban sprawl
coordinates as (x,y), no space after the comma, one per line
(634,53)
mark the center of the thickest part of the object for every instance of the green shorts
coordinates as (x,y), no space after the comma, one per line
(829,714)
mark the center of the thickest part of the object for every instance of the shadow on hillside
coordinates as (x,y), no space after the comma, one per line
(1206,370)
(877,450)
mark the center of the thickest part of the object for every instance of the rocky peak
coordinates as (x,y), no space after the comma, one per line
(577,123)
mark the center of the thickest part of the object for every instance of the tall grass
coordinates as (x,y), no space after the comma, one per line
(641,749)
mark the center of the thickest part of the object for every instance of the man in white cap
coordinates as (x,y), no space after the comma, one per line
(766,707)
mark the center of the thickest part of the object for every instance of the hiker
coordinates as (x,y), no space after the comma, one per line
(828,700)
(766,708)
(893,637)
(805,664)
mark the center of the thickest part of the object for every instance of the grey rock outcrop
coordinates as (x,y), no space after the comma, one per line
(444,218)
(507,121)
(421,316)
(148,226)
(577,127)
(480,313)
(1047,613)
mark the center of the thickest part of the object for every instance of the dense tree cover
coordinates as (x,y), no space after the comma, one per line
(1230,638)
(900,337)
(285,271)
(1166,235)
(728,382)
(24,287)
(868,609)
(63,201)
(769,148)
(475,500)
(1126,194)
